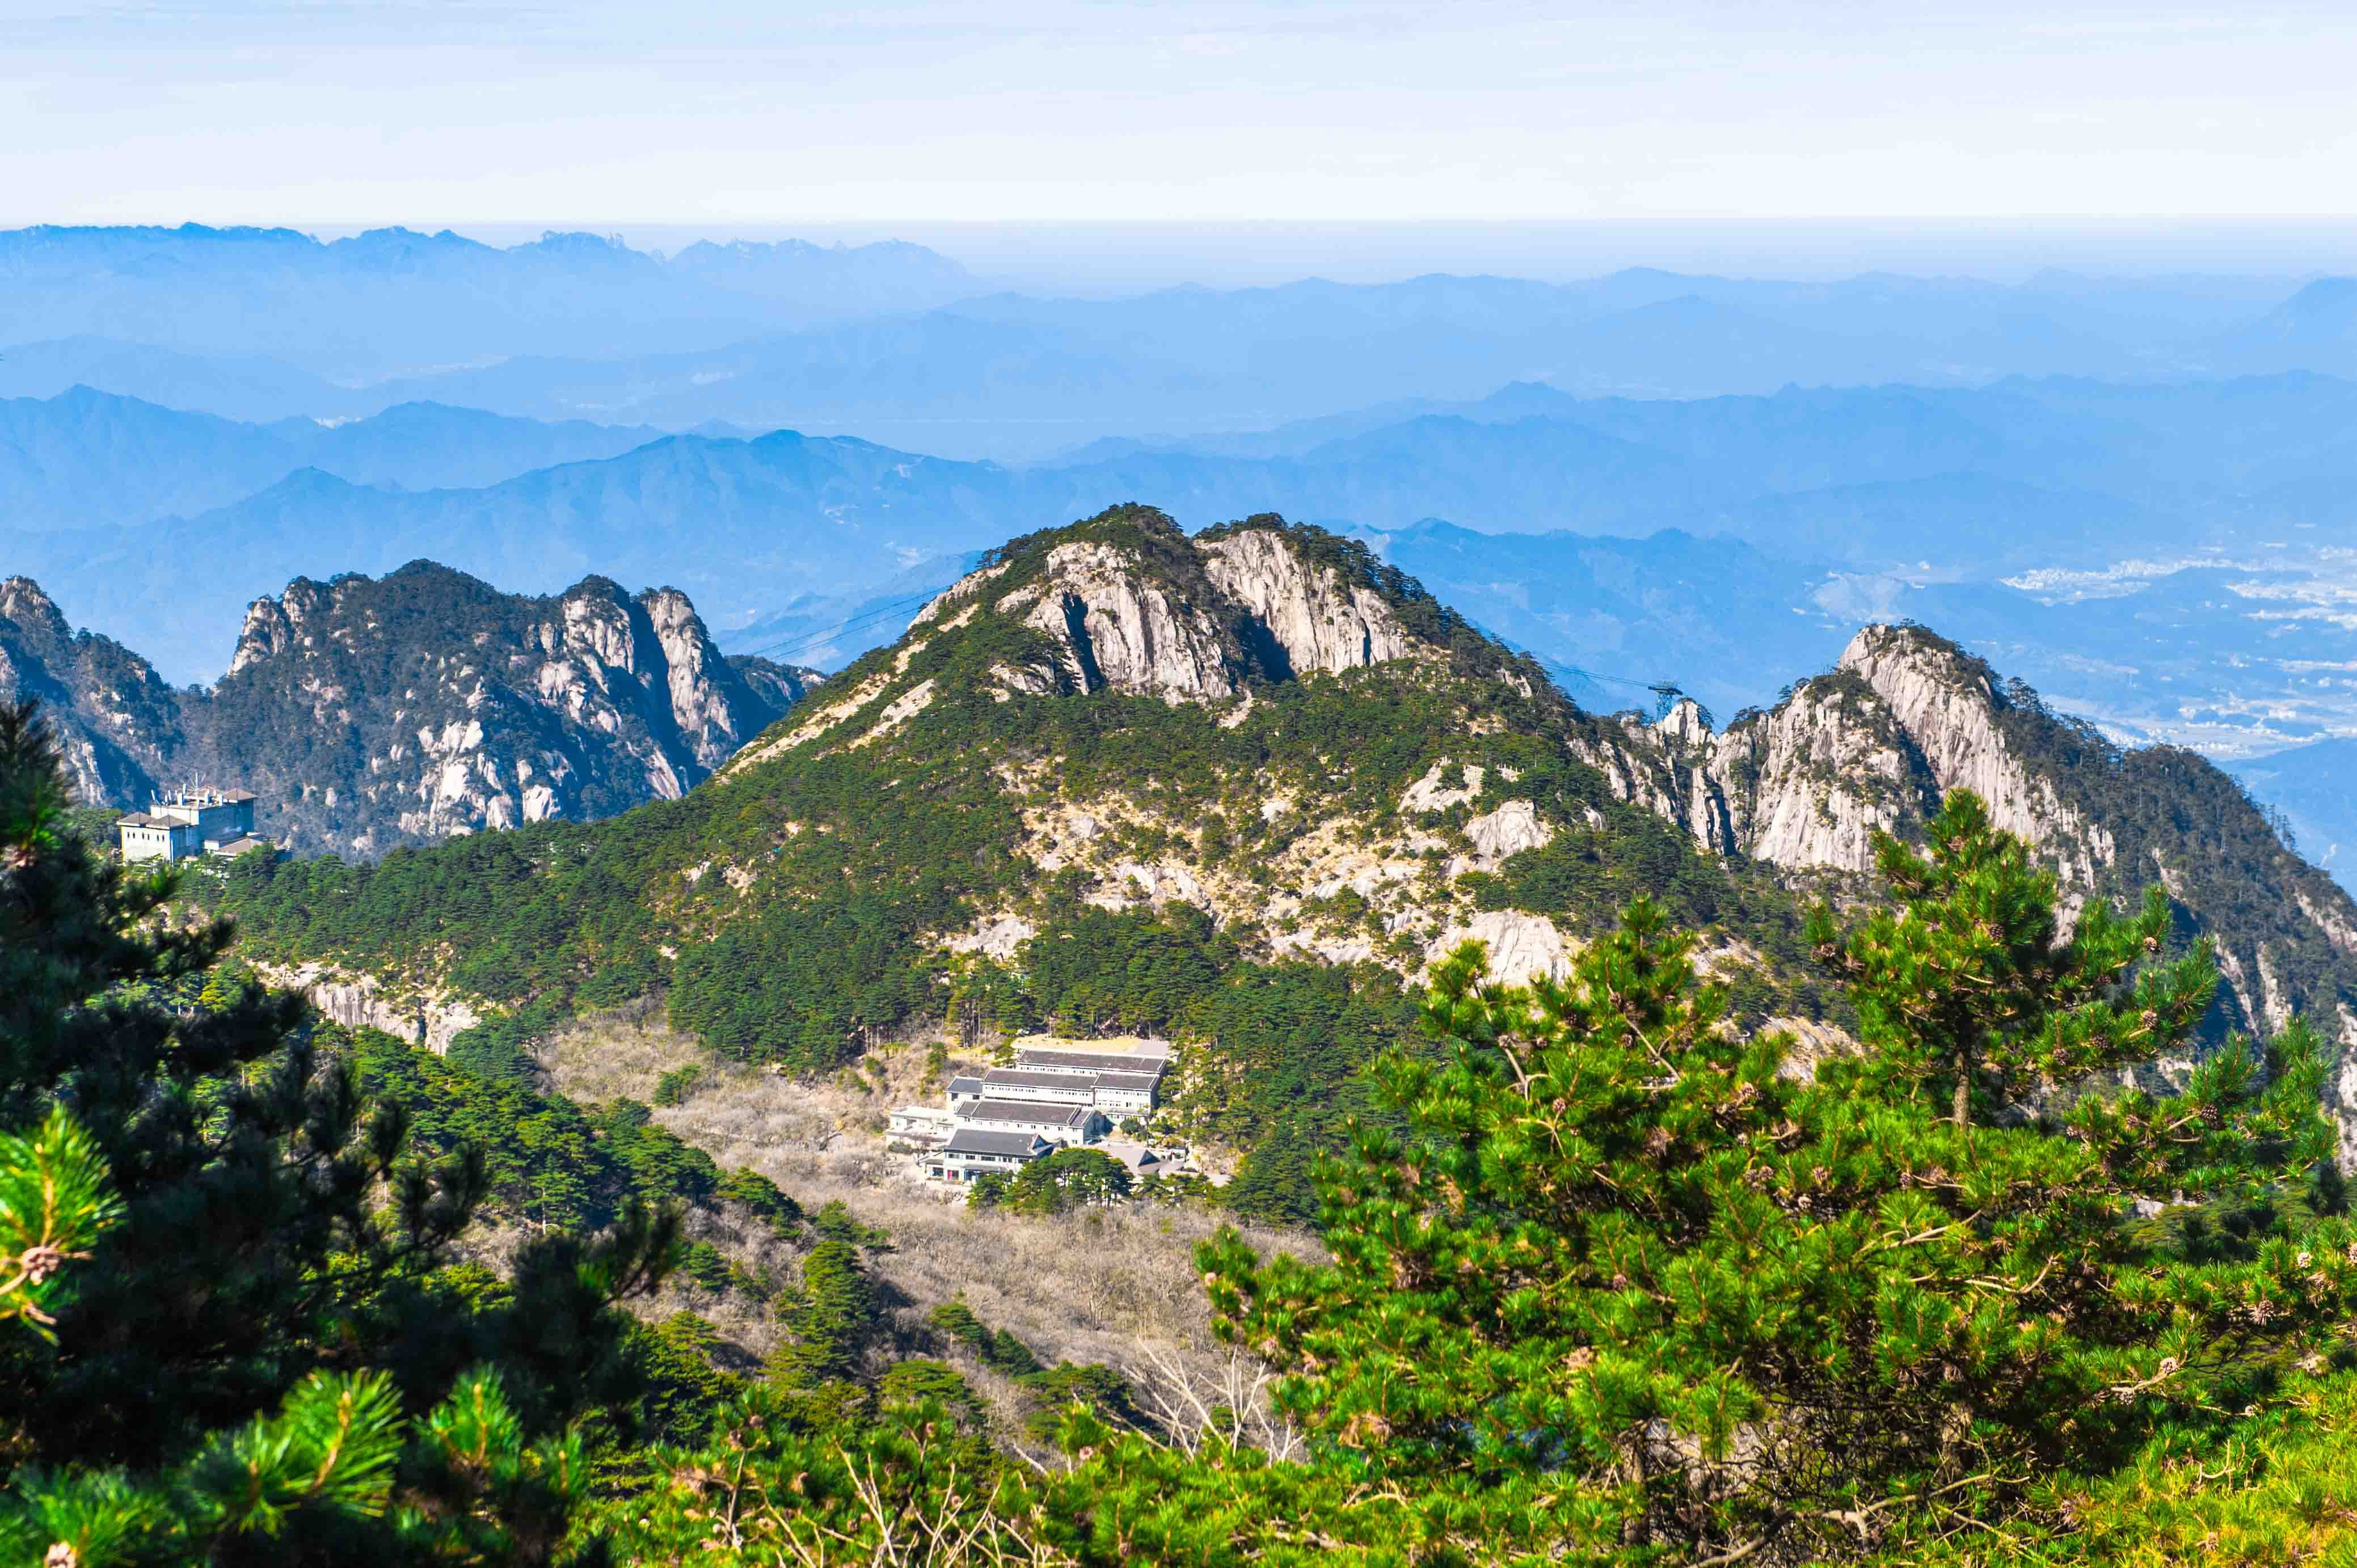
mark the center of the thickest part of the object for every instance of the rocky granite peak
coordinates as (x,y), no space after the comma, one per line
(452,708)
(369,712)
(32,611)
(1125,602)
(117,724)
(1906,716)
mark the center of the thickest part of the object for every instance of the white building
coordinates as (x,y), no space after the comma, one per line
(1058,1093)
(928,1126)
(187,823)
(1057,1124)
(977,1152)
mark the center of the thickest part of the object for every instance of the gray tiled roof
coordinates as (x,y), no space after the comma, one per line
(1128,1079)
(1088,1061)
(965,1084)
(983,1141)
(1029,1111)
(1025,1078)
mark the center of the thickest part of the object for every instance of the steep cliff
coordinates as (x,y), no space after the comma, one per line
(116,721)
(366,714)
(425,704)
(1907,716)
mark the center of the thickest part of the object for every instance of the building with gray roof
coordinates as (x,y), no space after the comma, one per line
(973,1151)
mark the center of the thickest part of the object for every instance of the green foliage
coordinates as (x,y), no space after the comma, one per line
(684,1385)
(997,1349)
(1965,983)
(755,1193)
(836,1222)
(499,1048)
(672,1088)
(2276,1489)
(831,1318)
(1714,1306)
(919,1380)
(1067,1179)
(55,1200)
(1273,1182)
(545,1161)
(1099,1390)
(245,1346)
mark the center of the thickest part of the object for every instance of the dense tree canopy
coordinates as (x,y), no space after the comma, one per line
(232,1339)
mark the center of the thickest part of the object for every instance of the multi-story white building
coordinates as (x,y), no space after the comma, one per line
(1058,1093)
(187,823)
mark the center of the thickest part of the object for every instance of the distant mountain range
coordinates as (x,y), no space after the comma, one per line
(394,301)
(1924,491)
(88,459)
(898,344)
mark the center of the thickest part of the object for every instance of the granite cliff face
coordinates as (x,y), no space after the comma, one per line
(117,722)
(1231,607)
(368,714)
(1907,716)
(426,704)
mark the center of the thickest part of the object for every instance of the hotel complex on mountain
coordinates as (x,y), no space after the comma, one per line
(190,823)
(1058,1092)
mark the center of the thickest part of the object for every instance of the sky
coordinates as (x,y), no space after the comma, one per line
(740,116)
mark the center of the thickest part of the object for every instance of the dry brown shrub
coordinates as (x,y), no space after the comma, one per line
(1095,1285)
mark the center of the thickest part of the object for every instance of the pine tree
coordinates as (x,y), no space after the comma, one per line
(830,1319)
(1968,982)
(220,1335)
(1630,1284)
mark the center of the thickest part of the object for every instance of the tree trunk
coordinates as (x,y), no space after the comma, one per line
(1962,1112)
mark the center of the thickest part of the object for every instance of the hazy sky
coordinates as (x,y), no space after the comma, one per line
(726,115)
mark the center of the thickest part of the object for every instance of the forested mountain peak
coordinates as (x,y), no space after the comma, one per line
(369,712)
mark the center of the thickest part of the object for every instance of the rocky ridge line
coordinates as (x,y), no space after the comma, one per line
(368,714)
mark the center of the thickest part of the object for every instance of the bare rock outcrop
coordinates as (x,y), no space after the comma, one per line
(1319,621)
(1520,946)
(1116,628)
(1137,607)
(1902,719)
(368,714)
(429,1018)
